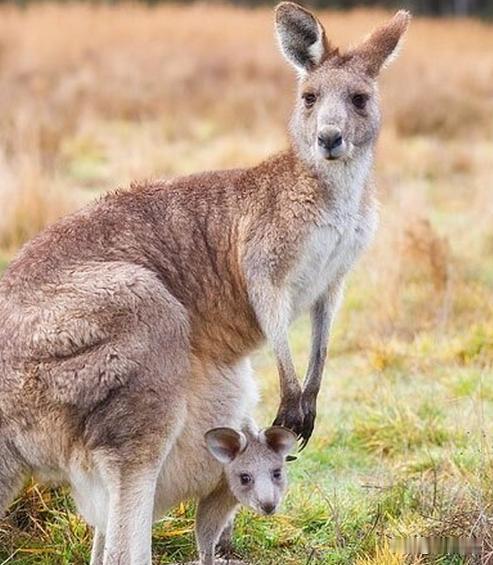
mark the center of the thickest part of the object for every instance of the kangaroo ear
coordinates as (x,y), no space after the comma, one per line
(279,439)
(225,444)
(382,46)
(301,36)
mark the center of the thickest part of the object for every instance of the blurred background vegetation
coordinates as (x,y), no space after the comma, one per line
(459,8)
(93,96)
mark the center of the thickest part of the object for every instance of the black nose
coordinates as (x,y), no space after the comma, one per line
(268,507)
(329,139)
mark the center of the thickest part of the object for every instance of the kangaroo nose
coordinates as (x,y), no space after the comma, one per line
(330,138)
(268,507)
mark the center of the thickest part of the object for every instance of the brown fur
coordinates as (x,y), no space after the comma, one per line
(110,317)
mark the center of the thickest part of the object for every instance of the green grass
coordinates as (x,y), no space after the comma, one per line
(401,448)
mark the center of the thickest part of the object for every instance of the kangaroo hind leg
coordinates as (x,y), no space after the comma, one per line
(12,473)
(132,430)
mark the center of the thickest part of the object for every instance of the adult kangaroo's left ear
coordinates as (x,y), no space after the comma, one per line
(382,46)
(301,37)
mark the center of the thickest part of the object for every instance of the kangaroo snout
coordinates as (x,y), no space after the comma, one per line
(331,142)
(268,508)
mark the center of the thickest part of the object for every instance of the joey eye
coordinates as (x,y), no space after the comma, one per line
(277,474)
(245,479)
(359,100)
(309,98)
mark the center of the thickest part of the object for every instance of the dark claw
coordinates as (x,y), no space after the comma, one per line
(308,426)
(291,420)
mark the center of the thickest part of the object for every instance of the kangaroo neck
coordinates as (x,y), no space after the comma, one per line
(343,183)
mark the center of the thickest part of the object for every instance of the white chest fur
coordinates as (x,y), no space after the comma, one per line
(334,243)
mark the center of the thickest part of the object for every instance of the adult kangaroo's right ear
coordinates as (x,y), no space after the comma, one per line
(301,37)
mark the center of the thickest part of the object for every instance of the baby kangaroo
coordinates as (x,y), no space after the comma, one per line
(253,476)
(249,470)
(114,318)
(246,467)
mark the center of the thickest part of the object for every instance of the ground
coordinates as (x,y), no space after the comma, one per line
(402,445)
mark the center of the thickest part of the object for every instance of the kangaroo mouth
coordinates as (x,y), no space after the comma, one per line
(331,157)
(338,153)
(333,153)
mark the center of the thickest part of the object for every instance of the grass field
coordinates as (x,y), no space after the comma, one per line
(95,96)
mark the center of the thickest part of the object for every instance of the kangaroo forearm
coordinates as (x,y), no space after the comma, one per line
(321,320)
(322,316)
(290,386)
(272,308)
(213,514)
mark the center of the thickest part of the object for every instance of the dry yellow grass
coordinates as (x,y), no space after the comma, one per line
(93,97)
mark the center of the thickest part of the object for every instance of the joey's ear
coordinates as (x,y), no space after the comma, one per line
(279,439)
(225,444)
(301,36)
(382,46)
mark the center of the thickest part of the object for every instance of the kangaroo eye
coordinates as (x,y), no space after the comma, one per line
(245,479)
(309,98)
(277,474)
(359,101)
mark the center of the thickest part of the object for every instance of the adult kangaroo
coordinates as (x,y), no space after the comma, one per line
(111,316)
